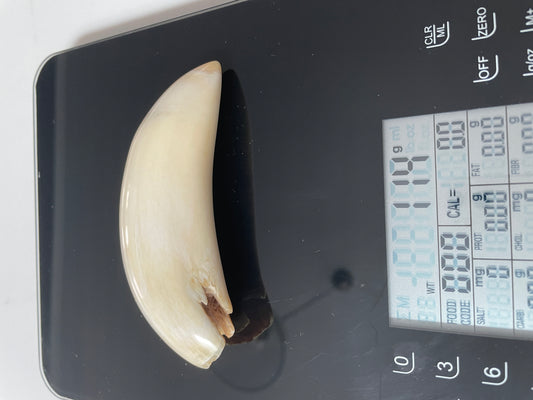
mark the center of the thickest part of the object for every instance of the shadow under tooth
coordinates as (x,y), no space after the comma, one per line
(234,215)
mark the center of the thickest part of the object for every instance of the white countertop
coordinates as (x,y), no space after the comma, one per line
(32,30)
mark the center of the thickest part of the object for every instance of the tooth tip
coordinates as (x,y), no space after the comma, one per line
(205,364)
(210,67)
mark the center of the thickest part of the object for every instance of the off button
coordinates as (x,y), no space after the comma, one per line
(488,68)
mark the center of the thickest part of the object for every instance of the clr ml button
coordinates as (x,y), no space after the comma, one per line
(436,36)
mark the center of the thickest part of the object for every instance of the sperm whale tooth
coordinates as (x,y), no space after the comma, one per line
(167,230)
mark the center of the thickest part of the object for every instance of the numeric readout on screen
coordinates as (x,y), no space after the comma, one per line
(459,217)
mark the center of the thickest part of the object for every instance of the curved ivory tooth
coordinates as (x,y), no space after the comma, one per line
(167,229)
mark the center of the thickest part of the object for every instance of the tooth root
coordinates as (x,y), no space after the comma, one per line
(219,317)
(167,230)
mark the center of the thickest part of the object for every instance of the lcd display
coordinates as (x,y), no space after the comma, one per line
(459,217)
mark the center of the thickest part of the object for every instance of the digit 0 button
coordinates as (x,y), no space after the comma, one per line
(404,365)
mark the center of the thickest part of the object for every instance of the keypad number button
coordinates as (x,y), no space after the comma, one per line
(495,376)
(404,365)
(448,370)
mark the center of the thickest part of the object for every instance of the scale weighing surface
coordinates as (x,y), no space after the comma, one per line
(389,149)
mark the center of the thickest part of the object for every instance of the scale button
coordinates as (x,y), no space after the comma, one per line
(528,23)
(486,24)
(404,365)
(488,68)
(449,369)
(495,375)
(436,35)
(529,63)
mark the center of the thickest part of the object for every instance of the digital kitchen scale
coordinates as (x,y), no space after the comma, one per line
(386,150)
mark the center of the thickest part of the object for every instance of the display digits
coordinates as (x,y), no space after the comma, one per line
(528,274)
(492,136)
(455,262)
(496,212)
(530,287)
(488,146)
(451,135)
(498,299)
(495,220)
(527,132)
(413,244)
(460,221)
(451,153)
(528,218)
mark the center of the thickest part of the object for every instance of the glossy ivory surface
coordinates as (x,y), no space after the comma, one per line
(167,230)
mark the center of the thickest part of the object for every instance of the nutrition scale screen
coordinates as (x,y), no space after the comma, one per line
(459,216)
